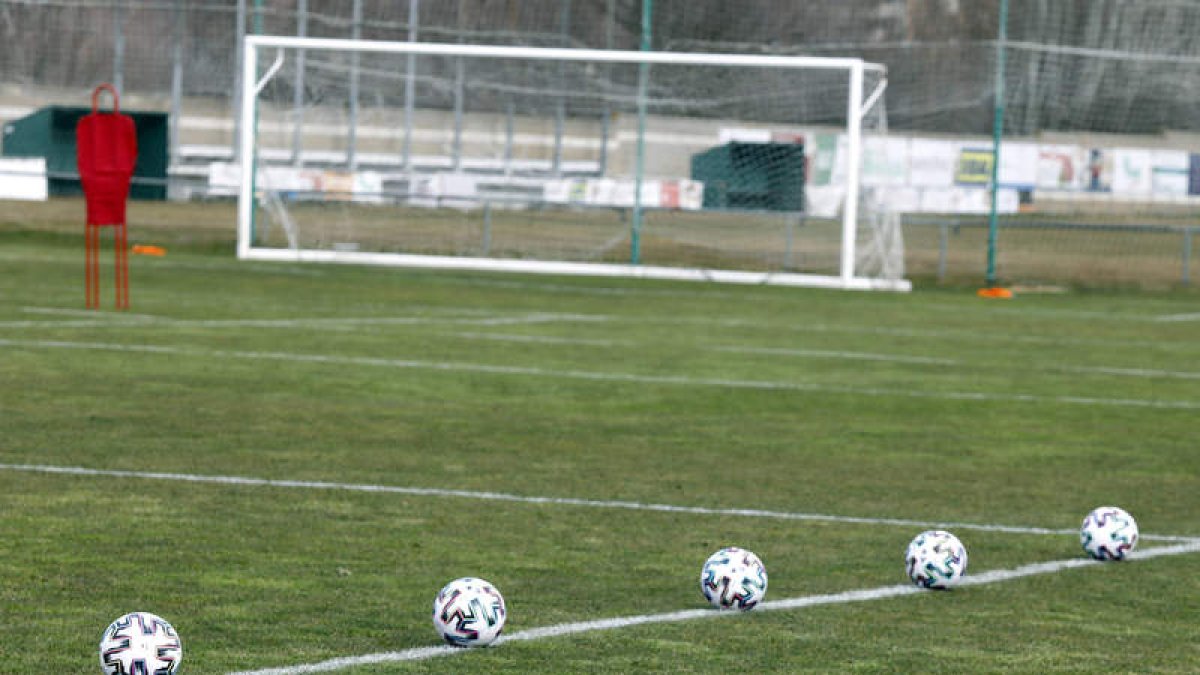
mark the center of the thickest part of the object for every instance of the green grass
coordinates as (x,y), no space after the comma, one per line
(629,391)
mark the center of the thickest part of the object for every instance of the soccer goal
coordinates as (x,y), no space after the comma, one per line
(722,167)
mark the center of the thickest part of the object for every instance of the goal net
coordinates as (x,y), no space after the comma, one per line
(737,168)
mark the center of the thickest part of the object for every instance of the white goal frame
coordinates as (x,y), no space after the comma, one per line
(857,107)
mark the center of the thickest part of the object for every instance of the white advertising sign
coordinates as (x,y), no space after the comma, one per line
(23,178)
(1132,169)
(932,163)
(1169,172)
(1059,167)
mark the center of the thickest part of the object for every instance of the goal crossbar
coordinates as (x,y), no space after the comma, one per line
(563,54)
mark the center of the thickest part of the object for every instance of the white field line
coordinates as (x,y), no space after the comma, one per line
(543,339)
(245,481)
(1130,372)
(353,323)
(933,360)
(951,333)
(834,354)
(975,336)
(91,313)
(846,597)
(1191,316)
(340,324)
(600,376)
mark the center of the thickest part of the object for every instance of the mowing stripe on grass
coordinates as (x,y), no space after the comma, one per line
(557,501)
(609,376)
(863,595)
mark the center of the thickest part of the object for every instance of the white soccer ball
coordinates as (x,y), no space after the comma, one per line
(733,578)
(469,612)
(935,559)
(1108,533)
(140,643)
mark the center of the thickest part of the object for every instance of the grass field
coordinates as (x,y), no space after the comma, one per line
(533,430)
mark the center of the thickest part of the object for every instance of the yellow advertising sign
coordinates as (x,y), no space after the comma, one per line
(974,167)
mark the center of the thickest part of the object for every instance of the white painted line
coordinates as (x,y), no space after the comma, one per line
(558,501)
(598,376)
(349,323)
(833,354)
(91,313)
(353,323)
(543,339)
(932,360)
(342,323)
(546,317)
(949,333)
(1131,372)
(1191,316)
(863,595)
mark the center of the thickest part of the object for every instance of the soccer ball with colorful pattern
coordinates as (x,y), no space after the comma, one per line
(733,578)
(935,559)
(1108,533)
(469,612)
(140,643)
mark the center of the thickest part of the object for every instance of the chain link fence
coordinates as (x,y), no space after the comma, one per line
(1126,69)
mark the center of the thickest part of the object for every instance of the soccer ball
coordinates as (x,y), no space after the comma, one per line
(935,559)
(733,578)
(1108,533)
(469,612)
(140,643)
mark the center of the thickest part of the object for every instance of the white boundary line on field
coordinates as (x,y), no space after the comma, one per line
(339,323)
(353,323)
(1191,316)
(933,360)
(331,323)
(838,354)
(542,339)
(602,376)
(247,481)
(862,595)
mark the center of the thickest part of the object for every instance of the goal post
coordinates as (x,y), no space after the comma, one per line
(522,159)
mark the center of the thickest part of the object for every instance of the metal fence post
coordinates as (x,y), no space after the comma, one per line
(606,113)
(177,36)
(1187,255)
(487,227)
(118,76)
(789,224)
(298,85)
(943,245)
(414,12)
(240,56)
(560,104)
(509,113)
(460,76)
(352,140)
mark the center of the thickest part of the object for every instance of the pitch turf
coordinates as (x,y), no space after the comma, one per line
(931,407)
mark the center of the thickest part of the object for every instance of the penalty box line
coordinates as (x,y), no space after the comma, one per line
(247,481)
(862,595)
